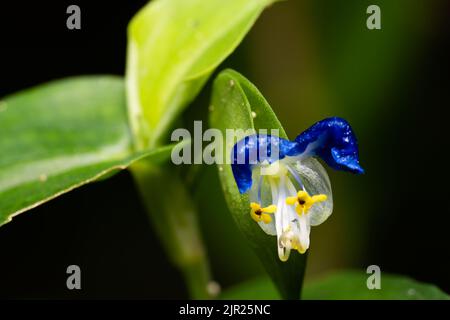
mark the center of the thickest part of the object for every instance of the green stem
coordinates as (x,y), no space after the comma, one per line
(174,218)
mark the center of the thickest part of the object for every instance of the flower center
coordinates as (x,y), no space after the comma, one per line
(282,207)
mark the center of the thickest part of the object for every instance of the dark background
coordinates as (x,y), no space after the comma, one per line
(396,216)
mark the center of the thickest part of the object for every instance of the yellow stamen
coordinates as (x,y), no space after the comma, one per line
(319,198)
(262,214)
(270,209)
(300,210)
(266,218)
(303,201)
(291,200)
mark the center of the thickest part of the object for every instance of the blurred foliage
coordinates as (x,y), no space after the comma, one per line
(344,285)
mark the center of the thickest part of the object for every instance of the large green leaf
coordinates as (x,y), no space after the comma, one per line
(346,285)
(237,104)
(61,135)
(173,47)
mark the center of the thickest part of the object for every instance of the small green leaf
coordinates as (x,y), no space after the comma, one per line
(237,104)
(173,47)
(60,136)
(345,285)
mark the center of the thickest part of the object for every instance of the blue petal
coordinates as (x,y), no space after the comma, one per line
(255,149)
(332,140)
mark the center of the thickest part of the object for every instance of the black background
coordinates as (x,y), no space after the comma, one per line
(37,46)
(116,252)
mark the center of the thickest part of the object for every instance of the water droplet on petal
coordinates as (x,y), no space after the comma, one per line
(411,292)
(213,288)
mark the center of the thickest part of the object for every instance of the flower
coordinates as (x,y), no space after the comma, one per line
(288,188)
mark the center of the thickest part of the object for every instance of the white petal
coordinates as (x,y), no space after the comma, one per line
(316,181)
(256,179)
(305,228)
(269,196)
(278,196)
(261,185)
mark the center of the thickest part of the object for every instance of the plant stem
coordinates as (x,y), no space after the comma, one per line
(174,219)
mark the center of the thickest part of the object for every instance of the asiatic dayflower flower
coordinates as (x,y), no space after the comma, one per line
(288,188)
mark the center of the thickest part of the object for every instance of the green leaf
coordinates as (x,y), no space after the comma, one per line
(237,104)
(345,285)
(173,47)
(254,289)
(60,136)
(353,285)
